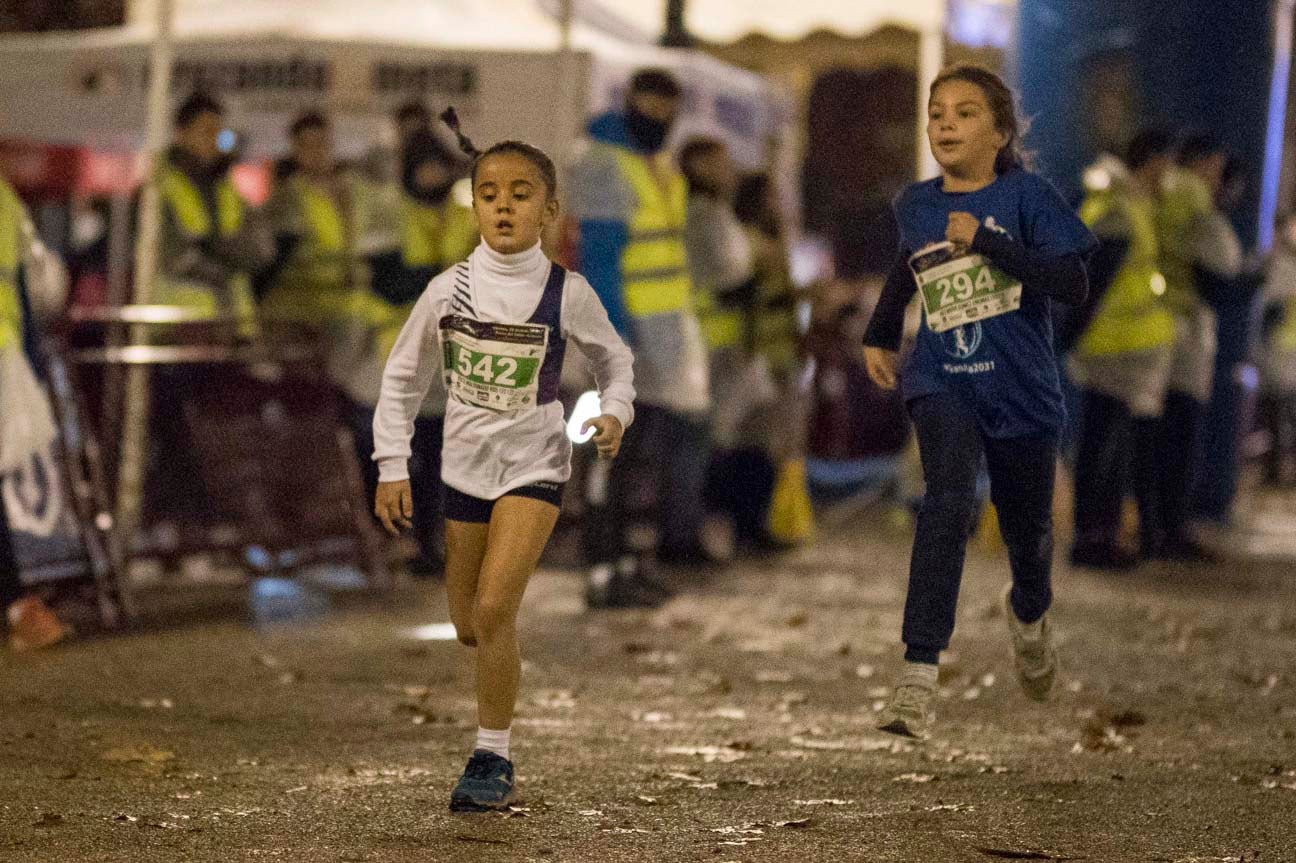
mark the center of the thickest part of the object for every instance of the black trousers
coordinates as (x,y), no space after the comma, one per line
(740,483)
(1167,458)
(952,445)
(424,469)
(11,588)
(1104,453)
(669,450)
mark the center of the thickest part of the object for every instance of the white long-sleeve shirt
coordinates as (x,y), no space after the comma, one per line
(488,452)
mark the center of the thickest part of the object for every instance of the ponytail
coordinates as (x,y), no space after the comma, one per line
(451,119)
(534,155)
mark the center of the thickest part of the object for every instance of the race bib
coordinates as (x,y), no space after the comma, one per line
(961,289)
(495,366)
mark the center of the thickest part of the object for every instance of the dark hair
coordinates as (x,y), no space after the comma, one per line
(657,81)
(194,107)
(1197,146)
(309,120)
(414,111)
(1147,145)
(694,149)
(1003,105)
(1234,170)
(752,206)
(534,155)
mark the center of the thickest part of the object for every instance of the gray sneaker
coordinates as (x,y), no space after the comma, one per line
(1036,658)
(909,712)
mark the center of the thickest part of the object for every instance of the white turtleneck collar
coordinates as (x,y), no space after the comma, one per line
(520,265)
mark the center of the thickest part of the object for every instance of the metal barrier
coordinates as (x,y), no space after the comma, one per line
(260,462)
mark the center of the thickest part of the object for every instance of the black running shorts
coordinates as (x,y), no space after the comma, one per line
(465,507)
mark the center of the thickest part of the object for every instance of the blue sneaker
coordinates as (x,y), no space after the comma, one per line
(486,784)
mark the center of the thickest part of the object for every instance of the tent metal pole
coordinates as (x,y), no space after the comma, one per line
(133,448)
(931,56)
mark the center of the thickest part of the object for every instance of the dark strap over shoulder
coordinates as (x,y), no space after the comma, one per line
(549,312)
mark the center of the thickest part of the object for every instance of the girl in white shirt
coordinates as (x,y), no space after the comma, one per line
(496,326)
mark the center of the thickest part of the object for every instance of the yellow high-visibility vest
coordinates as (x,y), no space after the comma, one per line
(654,264)
(1285,337)
(325,284)
(315,284)
(722,328)
(1133,315)
(11,219)
(436,236)
(186,203)
(1184,198)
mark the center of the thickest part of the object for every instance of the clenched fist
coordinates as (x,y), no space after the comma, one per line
(607,434)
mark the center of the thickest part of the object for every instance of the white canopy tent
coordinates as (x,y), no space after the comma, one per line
(724,21)
(500,62)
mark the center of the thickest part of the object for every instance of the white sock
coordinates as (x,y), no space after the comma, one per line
(1031,631)
(494,741)
(920,673)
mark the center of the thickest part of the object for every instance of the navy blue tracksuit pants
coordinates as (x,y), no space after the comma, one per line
(952,445)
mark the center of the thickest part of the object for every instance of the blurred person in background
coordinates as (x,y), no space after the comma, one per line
(1278,352)
(1120,340)
(319,278)
(412,118)
(772,326)
(719,259)
(437,231)
(410,227)
(721,266)
(210,245)
(631,204)
(857,430)
(1201,257)
(767,438)
(31,277)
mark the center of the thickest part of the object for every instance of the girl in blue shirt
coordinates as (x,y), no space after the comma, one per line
(991,246)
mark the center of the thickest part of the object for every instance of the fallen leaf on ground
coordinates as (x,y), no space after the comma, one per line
(156,703)
(1023,854)
(745,783)
(796,823)
(481,840)
(655,716)
(774,677)
(723,754)
(735,713)
(143,754)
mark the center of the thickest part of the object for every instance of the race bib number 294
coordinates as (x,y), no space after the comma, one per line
(961,289)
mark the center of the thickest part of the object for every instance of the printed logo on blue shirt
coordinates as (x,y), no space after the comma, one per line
(963,341)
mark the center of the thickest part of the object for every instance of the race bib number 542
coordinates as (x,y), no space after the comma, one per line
(495,366)
(961,289)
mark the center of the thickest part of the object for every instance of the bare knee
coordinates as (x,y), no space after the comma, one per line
(464,630)
(493,617)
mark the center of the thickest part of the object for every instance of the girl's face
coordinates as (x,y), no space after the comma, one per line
(512,202)
(961,130)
